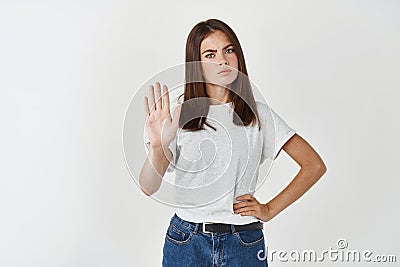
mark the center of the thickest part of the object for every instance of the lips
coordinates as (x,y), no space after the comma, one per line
(224,71)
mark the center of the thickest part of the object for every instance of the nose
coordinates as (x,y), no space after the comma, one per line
(222,60)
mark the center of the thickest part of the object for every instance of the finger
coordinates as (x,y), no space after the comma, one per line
(244,204)
(248,213)
(151,98)
(158,96)
(250,205)
(146,106)
(165,98)
(245,197)
(245,209)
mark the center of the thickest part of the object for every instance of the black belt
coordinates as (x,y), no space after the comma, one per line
(223,227)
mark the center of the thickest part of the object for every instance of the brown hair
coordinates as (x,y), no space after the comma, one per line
(241,93)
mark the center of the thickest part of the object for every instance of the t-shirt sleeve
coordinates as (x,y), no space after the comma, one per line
(276,132)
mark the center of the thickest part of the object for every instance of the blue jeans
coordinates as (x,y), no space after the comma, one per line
(186,245)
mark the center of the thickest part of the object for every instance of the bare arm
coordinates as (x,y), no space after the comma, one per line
(153,169)
(161,130)
(312,168)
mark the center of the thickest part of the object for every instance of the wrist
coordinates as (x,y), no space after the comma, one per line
(158,149)
(269,212)
(155,147)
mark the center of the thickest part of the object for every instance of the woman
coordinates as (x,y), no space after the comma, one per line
(220,221)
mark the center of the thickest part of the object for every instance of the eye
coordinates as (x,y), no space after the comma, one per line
(230,50)
(209,55)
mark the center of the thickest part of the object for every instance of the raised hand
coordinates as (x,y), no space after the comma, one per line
(161,128)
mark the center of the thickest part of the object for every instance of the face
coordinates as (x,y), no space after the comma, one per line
(218,59)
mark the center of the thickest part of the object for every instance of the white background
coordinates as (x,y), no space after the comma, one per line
(70,68)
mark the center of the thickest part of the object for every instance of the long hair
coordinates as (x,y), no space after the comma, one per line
(241,94)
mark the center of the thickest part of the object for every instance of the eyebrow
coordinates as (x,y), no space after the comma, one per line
(210,50)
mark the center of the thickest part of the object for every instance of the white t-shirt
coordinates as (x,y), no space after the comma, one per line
(212,168)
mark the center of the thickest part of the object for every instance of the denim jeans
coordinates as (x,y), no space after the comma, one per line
(186,245)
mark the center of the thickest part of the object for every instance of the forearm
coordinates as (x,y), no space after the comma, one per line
(301,183)
(153,169)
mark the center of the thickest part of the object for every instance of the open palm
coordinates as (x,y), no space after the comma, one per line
(161,128)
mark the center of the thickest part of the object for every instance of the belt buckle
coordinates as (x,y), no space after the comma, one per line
(204,227)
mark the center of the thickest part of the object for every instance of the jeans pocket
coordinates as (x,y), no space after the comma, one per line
(178,234)
(250,237)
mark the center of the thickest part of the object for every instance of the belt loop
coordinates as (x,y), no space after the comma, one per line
(233,229)
(196,228)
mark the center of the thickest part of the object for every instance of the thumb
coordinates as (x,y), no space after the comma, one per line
(177,114)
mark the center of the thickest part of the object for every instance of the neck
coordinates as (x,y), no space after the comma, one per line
(217,94)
